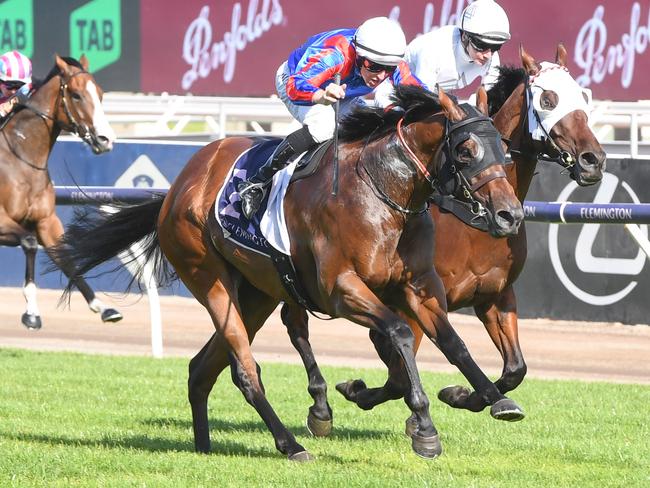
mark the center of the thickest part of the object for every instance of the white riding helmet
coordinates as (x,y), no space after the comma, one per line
(380,40)
(486,20)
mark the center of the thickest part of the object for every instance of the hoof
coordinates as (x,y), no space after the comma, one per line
(454,396)
(318,427)
(31,321)
(508,410)
(111,315)
(301,457)
(351,388)
(411,426)
(426,447)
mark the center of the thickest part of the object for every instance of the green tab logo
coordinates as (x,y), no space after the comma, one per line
(17,26)
(96,31)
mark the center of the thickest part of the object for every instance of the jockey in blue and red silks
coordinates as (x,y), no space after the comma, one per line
(363,58)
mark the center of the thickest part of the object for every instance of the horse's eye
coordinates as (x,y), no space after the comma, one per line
(75,96)
(548,100)
(464,153)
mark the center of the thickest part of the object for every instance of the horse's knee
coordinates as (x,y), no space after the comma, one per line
(402,336)
(29,243)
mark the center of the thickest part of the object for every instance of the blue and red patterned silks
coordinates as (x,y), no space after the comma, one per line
(314,64)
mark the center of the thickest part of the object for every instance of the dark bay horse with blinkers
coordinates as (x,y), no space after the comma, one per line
(362,255)
(68,99)
(477,269)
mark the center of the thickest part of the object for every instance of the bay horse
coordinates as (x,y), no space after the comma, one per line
(360,254)
(67,99)
(477,269)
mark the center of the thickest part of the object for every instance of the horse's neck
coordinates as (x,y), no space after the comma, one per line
(510,120)
(32,136)
(389,169)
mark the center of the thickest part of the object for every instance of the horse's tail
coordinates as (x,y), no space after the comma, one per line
(97,235)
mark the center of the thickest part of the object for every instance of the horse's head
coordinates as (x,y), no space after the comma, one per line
(81,109)
(472,168)
(558,110)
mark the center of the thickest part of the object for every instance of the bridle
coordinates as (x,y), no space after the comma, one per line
(454,168)
(563,158)
(73,127)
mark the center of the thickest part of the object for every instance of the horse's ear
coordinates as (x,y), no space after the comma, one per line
(527,61)
(449,105)
(482,100)
(61,64)
(83,61)
(560,55)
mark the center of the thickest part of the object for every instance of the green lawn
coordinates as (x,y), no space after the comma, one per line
(81,420)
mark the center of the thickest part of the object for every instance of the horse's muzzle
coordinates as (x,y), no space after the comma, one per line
(589,169)
(505,221)
(100,144)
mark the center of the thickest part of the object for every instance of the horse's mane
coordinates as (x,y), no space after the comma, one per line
(411,102)
(509,78)
(37,83)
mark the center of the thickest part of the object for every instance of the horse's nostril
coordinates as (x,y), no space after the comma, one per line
(588,159)
(506,217)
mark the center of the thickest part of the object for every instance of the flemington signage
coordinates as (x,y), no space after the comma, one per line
(587,271)
(235,47)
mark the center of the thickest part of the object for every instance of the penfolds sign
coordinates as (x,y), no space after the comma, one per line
(233,48)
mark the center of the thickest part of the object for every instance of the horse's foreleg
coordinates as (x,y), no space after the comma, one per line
(358,303)
(319,420)
(49,232)
(500,321)
(435,323)
(31,318)
(396,385)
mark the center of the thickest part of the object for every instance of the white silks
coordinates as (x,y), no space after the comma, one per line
(571,96)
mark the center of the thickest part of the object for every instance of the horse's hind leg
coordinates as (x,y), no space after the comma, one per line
(49,232)
(500,321)
(213,286)
(204,370)
(31,318)
(319,420)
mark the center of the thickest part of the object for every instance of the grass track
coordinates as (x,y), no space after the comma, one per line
(81,420)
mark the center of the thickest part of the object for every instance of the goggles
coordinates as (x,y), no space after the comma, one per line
(12,85)
(376,67)
(481,46)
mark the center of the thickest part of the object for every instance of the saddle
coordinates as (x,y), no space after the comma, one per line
(226,218)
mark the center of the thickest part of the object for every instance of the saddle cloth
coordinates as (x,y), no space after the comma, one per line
(267,228)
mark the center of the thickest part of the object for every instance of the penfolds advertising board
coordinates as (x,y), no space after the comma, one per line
(230,48)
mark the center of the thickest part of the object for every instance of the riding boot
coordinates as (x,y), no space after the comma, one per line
(252,191)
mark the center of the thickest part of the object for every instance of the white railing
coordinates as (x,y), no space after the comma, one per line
(622,127)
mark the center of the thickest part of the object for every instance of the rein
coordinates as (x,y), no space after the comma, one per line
(376,188)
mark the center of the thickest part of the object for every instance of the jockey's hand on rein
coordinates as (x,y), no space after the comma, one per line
(331,94)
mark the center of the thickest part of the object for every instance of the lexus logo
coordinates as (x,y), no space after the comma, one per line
(585,260)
